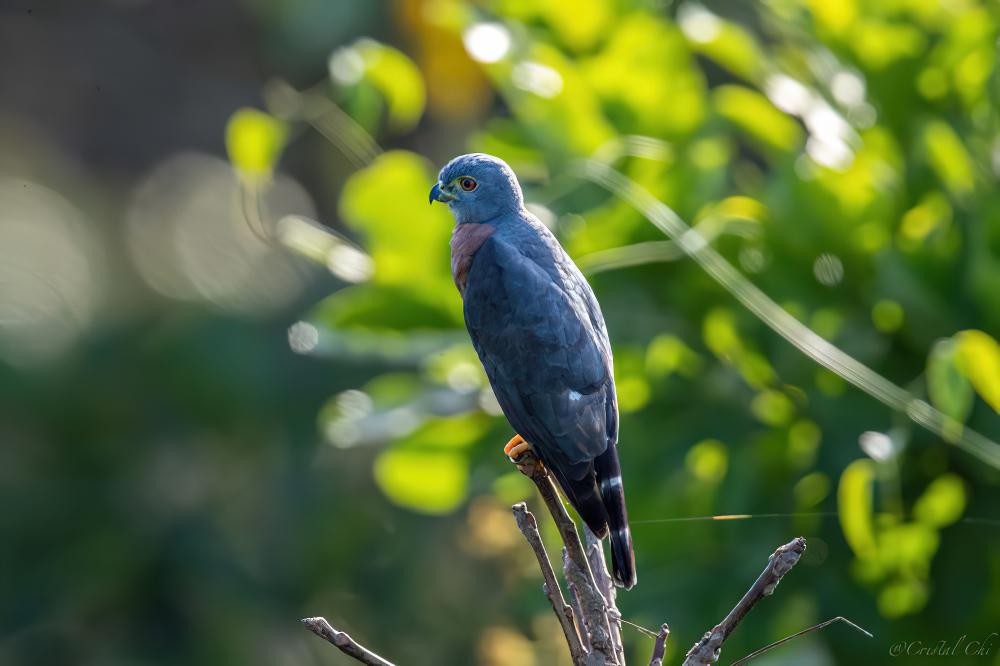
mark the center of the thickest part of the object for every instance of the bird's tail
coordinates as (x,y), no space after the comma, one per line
(585,497)
(609,478)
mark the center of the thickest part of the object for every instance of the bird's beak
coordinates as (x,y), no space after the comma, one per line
(437,194)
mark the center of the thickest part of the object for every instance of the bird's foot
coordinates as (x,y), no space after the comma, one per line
(515,447)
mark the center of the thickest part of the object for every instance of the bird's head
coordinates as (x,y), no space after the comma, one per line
(478,188)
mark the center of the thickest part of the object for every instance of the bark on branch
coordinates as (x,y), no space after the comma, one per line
(343,642)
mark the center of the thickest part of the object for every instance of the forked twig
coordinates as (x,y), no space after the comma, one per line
(529,528)
(660,646)
(580,579)
(590,621)
(706,651)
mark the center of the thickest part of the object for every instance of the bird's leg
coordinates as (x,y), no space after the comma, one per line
(515,447)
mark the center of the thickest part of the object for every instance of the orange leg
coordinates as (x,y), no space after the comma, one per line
(515,447)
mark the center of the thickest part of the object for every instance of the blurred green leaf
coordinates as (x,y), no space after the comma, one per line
(948,157)
(720,334)
(902,597)
(550,96)
(578,25)
(773,408)
(390,72)
(667,354)
(812,489)
(979,360)
(428,471)
(645,79)
(382,309)
(879,44)
(804,438)
(949,389)
(854,506)
(512,487)
(707,461)
(432,482)
(387,202)
(908,547)
(752,113)
(887,315)
(633,392)
(254,141)
(732,47)
(942,503)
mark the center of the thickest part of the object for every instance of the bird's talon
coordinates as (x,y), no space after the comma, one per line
(515,447)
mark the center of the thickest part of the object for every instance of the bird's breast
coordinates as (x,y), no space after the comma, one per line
(466,240)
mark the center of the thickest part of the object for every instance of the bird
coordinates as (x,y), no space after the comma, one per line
(540,335)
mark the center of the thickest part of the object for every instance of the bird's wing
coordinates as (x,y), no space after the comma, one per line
(548,363)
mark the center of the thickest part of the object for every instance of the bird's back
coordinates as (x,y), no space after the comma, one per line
(540,333)
(541,337)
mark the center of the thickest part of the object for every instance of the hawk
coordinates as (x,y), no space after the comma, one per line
(540,335)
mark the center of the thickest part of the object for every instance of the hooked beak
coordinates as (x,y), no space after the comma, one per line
(437,194)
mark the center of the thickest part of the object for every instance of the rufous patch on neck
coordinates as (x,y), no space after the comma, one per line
(466,239)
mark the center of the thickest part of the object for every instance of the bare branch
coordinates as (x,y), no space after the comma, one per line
(706,651)
(579,576)
(343,642)
(815,627)
(660,646)
(574,599)
(529,528)
(595,555)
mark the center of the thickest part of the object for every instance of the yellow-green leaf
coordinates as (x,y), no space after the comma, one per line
(942,503)
(707,461)
(254,141)
(979,360)
(728,44)
(754,114)
(407,239)
(428,471)
(646,70)
(721,336)
(431,482)
(667,354)
(773,408)
(949,389)
(854,504)
(948,157)
(902,597)
(390,72)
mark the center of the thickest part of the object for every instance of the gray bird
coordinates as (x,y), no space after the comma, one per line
(540,336)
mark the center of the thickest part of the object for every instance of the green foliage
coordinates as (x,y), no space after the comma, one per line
(194,485)
(428,470)
(845,189)
(368,67)
(893,554)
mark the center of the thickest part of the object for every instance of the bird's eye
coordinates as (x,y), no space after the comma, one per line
(468,184)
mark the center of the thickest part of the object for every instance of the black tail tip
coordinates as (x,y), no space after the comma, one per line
(622,563)
(624,579)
